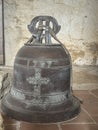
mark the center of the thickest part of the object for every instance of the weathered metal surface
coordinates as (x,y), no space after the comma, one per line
(41,90)
(48,19)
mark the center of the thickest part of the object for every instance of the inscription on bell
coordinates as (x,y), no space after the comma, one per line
(37,81)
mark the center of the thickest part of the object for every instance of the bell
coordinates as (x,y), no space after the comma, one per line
(41,90)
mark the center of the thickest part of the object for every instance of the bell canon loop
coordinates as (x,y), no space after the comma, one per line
(41,91)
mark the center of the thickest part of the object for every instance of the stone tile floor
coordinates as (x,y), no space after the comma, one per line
(87,119)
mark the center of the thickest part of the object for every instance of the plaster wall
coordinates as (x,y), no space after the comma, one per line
(78,19)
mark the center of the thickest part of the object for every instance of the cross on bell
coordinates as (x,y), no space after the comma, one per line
(37,81)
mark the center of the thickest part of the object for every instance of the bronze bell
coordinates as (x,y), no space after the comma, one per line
(41,90)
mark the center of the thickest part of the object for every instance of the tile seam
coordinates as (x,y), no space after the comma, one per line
(93,94)
(89,115)
(59,126)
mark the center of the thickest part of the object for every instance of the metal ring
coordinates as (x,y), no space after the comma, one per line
(33,25)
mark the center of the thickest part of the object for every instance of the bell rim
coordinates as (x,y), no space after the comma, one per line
(53,117)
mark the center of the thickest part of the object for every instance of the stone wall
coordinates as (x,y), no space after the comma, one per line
(1,49)
(78,19)
(0,27)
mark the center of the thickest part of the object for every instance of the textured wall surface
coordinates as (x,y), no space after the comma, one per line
(0,27)
(1,45)
(78,19)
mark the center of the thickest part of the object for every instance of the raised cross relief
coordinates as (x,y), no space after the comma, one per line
(37,81)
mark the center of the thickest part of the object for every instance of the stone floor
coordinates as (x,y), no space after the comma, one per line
(87,119)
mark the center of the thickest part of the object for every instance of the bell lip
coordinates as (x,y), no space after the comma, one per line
(43,123)
(28,117)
